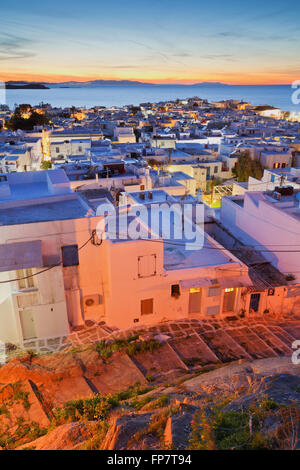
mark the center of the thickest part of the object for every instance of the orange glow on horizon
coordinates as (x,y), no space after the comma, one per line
(56,78)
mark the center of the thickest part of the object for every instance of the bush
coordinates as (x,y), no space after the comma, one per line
(131,346)
(96,408)
(46,165)
(247,167)
(229,430)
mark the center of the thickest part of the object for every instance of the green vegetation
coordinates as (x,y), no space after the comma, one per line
(139,403)
(226,430)
(46,165)
(149,402)
(25,118)
(130,345)
(4,410)
(247,167)
(290,277)
(216,428)
(99,433)
(24,432)
(156,426)
(97,407)
(20,395)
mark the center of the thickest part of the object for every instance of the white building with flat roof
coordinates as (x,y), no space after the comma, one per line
(270,222)
(57,271)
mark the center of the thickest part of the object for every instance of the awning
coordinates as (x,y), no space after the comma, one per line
(198,282)
(23,255)
(237,281)
(293,292)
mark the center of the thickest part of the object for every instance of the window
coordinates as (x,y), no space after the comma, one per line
(276,165)
(28,282)
(212,310)
(147,265)
(216,169)
(283,165)
(70,255)
(146,307)
(175,290)
(213,291)
(254,302)
(57,149)
(272,178)
(80,149)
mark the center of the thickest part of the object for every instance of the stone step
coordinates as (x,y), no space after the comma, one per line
(251,342)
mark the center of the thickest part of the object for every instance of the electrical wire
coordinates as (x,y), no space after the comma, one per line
(244,247)
(46,269)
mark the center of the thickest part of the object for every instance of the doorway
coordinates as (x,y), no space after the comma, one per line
(28,324)
(254,302)
(195,300)
(229,300)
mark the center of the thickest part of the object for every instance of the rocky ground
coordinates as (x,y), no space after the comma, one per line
(195,385)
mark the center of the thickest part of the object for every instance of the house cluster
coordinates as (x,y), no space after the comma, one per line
(59,271)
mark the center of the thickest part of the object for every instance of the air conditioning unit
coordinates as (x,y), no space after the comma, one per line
(276,195)
(92,300)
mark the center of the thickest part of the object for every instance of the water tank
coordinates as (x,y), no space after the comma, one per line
(285,190)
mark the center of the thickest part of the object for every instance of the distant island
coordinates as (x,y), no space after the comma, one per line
(210,84)
(25,86)
(13,85)
(95,83)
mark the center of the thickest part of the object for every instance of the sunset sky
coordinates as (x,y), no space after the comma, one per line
(159,41)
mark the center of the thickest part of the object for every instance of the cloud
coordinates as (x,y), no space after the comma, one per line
(12,47)
(158,53)
(253,36)
(182,54)
(227,57)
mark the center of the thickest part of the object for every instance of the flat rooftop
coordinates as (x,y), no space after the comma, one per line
(43,212)
(158,195)
(176,256)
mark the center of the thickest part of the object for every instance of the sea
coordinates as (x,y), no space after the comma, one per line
(279,96)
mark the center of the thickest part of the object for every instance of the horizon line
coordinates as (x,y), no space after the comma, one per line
(146,82)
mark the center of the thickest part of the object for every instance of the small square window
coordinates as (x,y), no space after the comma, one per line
(213,291)
(175,290)
(25,279)
(146,307)
(70,255)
